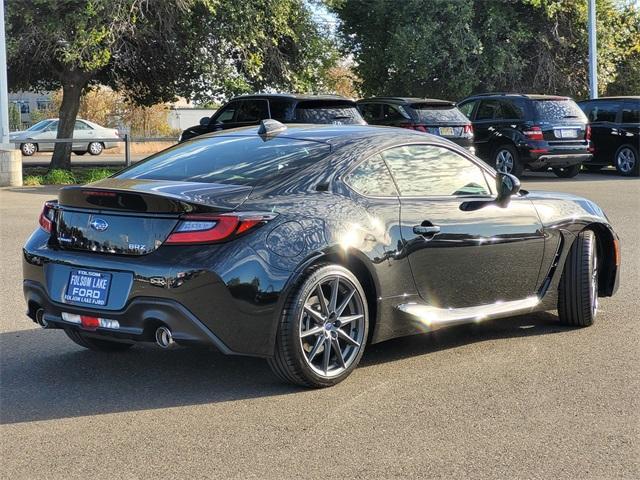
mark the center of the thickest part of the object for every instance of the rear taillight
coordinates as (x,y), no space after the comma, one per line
(197,229)
(534,133)
(47,216)
(587,133)
(468,131)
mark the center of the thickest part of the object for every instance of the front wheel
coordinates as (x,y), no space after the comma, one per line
(626,161)
(323,329)
(95,148)
(567,172)
(28,149)
(507,160)
(578,289)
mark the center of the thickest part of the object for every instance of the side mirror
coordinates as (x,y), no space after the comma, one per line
(204,121)
(506,185)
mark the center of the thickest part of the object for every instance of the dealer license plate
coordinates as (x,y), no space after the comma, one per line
(88,287)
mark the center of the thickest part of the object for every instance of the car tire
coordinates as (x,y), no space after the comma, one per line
(567,172)
(77,152)
(314,346)
(28,148)
(626,161)
(95,343)
(95,148)
(506,159)
(578,289)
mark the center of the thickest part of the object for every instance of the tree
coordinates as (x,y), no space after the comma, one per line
(452,49)
(155,51)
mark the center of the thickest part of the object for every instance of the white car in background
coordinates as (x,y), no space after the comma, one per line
(34,139)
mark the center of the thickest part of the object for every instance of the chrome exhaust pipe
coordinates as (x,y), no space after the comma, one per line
(40,318)
(164,338)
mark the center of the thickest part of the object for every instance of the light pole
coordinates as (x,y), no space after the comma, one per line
(593,51)
(4,93)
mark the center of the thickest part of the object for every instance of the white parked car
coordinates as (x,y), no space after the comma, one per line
(34,139)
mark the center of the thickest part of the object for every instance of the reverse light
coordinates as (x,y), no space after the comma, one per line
(90,323)
(203,228)
(534,133)
(47,216)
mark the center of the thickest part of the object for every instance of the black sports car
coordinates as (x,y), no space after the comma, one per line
(304,244)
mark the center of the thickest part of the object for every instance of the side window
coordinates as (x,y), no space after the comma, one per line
(81,126)
(52,127)
(467,108)
(226,114)
(390,112)
(511,110)
(252,111)
(280,110)
(372,178)
(488,110)
(631,113)
(604,112)
(371,112)
(428,170)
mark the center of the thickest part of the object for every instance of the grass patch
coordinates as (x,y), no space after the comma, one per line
(34,176)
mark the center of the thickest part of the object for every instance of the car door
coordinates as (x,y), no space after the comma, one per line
(486,115)
(249,112)
(371,112)
(82,131)
(49,133)
(224,117)
(464,249)
(604,131)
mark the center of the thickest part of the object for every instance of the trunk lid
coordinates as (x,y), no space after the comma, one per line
(134,216)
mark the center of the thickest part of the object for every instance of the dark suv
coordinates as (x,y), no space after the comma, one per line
(537,132)
(250,109)
(438,117)
(615,133)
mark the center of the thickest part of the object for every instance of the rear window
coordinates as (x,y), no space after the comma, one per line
(430,113)
(549,110)
(228,159)
(338,113)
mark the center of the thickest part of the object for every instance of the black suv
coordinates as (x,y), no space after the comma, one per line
(537,132)
(250,109)
(438,117)
(615,133)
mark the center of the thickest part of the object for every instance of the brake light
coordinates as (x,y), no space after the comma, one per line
(47,216)
(587,133)
(534,133)
(468,131)
(197,229)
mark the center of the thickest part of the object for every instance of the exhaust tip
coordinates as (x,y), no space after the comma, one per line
(164,338)
(40,318)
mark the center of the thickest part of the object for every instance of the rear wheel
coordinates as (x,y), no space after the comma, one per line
(323,329)
(567,172)
(28,149)
(627,162)
(578,289)
(95,148)
(96,344)
(507,160)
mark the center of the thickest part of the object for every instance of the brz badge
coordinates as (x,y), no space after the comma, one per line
(99,224)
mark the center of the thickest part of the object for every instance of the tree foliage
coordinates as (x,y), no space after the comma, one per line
(452,49)
(155,51)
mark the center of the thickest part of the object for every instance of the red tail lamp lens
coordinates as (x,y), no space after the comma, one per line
(534,133)
(46,216)
(195,229)
(587,133)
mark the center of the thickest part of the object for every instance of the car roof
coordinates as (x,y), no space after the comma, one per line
(407,100)
(291,96)
(333,134)
(621,97)
(530,96)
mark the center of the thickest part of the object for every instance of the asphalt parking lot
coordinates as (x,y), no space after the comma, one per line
(515,398)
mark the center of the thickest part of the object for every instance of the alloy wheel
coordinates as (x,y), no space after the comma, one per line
(95,148)
(332,326)
(626,160)
(28,149)
(504,161)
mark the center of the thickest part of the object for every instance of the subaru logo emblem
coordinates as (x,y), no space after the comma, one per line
(99,224)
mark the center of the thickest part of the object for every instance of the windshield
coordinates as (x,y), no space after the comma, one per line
(41,125)
(338,113)
(435,114)
(229,159)
(548,110)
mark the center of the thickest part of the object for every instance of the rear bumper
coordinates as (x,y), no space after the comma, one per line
(556,160)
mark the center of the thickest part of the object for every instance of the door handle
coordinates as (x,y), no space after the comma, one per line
(426,229)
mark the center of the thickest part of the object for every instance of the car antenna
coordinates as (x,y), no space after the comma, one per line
(269,127)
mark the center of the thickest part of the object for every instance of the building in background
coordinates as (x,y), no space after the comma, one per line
(26,103)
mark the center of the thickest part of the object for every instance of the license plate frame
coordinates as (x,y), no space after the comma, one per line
(566,133)
(88,287)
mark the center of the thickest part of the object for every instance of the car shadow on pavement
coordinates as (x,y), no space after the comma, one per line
(44,376)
